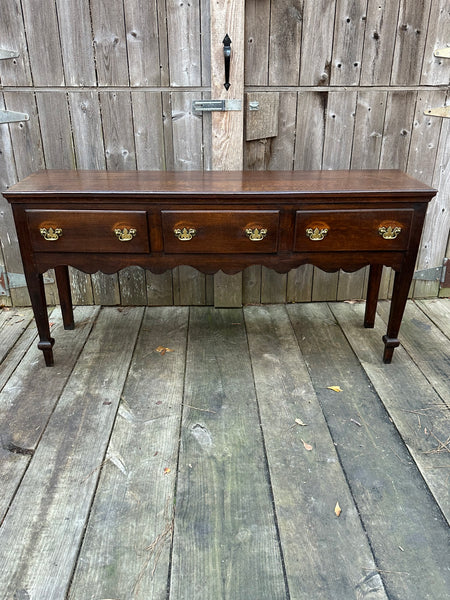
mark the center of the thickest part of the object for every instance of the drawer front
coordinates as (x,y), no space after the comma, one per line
(220,231)
(344,230)
(88,231)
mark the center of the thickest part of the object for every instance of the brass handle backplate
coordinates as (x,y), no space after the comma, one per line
(389,232)
(51,234)
(256,234)
(185,234)
(316,234)
(126,234)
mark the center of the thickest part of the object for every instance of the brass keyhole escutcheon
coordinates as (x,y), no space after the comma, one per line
(256,234)
(184,234)
(126,234)
(316,234)
(389,232)
(51,234)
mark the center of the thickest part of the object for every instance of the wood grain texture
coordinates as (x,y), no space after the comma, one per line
(379,41)
(410,42)
(108,26)
(14,71)
(316,50)
(45,59)
(348,39)
(142,34)
(126,548)
(369,125)
(396,488)
(257,27)
(225,540)
(417,398)
(306,484)
(436,70)
(184,41)
(69,458)
(74,22)
(286,17)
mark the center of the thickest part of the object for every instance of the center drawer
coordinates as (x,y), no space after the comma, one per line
(220,231)
(88,231)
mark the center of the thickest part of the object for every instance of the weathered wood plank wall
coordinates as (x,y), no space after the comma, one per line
(344,84)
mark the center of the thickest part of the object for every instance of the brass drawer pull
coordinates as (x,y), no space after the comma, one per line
(126,234)
(51,234)
(316,234)
(256,235)
(185,234)
(390,232)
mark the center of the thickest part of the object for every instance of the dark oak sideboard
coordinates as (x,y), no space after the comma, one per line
(105,221)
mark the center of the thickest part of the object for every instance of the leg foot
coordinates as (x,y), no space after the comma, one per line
(389,345)
(46,347)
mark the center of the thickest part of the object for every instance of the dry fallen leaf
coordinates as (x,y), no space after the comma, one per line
(337,509)
(162,350)
(166,471)
(300,422)
(335,388)
(306,445)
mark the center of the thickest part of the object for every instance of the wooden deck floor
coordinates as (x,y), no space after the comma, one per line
(212,470)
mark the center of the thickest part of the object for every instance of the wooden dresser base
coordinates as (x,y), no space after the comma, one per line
(106,221)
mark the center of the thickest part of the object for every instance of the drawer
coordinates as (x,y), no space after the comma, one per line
(220,231)
(343,230)
(88,231)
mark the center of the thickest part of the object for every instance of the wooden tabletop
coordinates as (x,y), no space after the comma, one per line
(75,183)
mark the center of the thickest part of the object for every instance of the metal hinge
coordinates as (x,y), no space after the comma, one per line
(10,116)
(15,280)
(8,54)
(441,274)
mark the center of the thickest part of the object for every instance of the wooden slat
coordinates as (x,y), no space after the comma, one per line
(299,284)
(435,70)
(126,548)
(410,42)
(437,223)
(41,20)
(22,423)
(142,35)
(13,323)
(224,535)
(438,311)
(63,473)
(56,133)
(306,484)
(427,346)
(339,127)
(183,31)
(411,402)
(108,26)
(348,39)
(148,130)
(12,35)
(394,504)
(379,41)
(74,22)
(286,18)
(397,130)
(369,125)
(273,286)
(257,23)
(310,133)
(316,50)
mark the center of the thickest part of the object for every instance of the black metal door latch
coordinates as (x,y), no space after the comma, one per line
(227,56)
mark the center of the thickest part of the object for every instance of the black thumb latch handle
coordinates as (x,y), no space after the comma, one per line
(227,56)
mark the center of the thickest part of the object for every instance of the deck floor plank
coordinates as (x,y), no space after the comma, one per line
(88,510)
(419,414)
(427,345)
(306,483)
(225,539)
(392,498)
(13,323)
(52,504)
(30,395)
(126,549)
